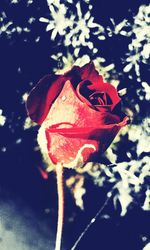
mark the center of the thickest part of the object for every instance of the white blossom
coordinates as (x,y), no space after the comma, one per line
(147,247)
(74,27)
(139,48)
(58,22)
(2,118)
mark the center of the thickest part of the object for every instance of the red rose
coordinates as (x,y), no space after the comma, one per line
(80,113)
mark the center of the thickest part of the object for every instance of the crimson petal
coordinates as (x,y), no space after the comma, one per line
(99,87)
(88,72)
(65,143)
(46,91)
(71,125)
(42,96)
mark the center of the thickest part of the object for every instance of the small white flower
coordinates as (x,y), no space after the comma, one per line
(59,22)
(147,247)
(2,118)
(139,48)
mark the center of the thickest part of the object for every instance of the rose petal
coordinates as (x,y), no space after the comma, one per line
(74,76)
(100,86)
(84,133)
(42,95)
(87,92)
(46,91)
(71,124)
(110,90)
(88,72)
(103,108)
(64,144)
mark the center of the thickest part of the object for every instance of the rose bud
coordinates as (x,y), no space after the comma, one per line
(79,113)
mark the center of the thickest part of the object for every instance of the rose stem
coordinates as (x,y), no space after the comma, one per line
(60,193)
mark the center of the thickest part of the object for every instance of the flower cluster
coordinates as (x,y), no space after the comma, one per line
(74,28)
(139,49)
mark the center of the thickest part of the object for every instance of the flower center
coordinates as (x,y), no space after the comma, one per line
(100,98)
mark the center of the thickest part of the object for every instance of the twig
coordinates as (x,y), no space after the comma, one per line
(109,195)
